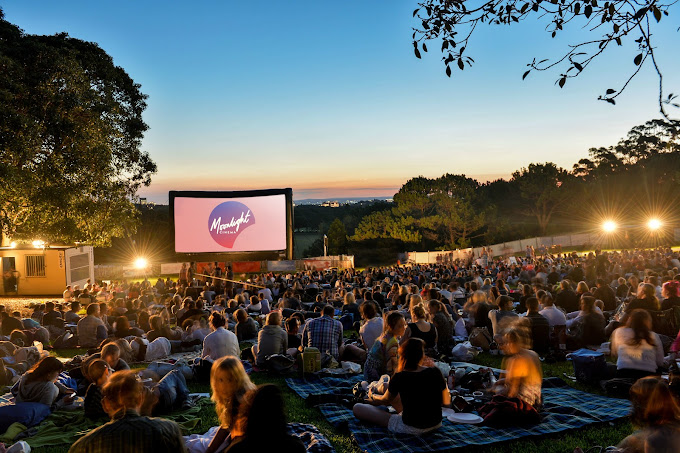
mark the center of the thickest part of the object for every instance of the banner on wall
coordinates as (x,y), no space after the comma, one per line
(245,267)
(281,266)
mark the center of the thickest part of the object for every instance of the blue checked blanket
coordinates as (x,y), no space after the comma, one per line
(325,385)
(564,408)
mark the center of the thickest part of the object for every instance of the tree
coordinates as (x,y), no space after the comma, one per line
(384,224)
(461,211)
(613,22)
(70,137)
(545,190)
(337,238)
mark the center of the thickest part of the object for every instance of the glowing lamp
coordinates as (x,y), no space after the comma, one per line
(141,263)
(609,226)
(654,224)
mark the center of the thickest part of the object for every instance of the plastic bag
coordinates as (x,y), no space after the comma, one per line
(459,329)
(464,352)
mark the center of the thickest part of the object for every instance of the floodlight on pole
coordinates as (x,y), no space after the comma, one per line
(654,224)
(141,263)
(609,226)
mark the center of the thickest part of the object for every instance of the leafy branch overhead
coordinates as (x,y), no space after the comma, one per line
(604,24)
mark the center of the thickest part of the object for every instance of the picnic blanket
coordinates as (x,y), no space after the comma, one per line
(65,427)
(564,408)
(309,435)
(323,385)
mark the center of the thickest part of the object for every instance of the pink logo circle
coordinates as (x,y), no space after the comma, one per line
(228,220)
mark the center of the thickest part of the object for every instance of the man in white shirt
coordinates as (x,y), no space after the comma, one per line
(68,294)
(554,315)
(220,342)
(445,293)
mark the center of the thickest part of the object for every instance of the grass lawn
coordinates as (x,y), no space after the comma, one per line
(298,411)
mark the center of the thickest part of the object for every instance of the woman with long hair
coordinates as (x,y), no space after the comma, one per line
(230,384)
(39,384)
(262,420)
(657,414)
(522,375)
(382,357)
(638,350)
(417,392)
(419,327)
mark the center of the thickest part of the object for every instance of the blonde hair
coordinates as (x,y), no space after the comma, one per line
(229,383)
(274,318)
(415,301)
(349,298)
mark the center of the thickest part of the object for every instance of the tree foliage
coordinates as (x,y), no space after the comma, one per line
(70,140)
(545,188)
(604,24)
(337,238)
(638,177)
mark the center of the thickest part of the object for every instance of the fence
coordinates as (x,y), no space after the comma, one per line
(510,248)
(119,272)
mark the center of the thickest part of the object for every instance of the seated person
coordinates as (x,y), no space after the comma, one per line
(230,383)
(220,342)
(383,356)
(122,400)
(161,329)
(421,328)
(39,384)
(324,333)
(9,323)
(255,306)
(638,350)
(416,392)
(503,314)
(522,376)
(657,414)
(589,330)
(246,327)
(91,329)
(98,372)
(111,355)
(266,309)
(540,327)
(265,403)
(372,327)
(71,316)
(272,339)
(122,329)
(292,328)
(443,322)
(52,320)
(554,315)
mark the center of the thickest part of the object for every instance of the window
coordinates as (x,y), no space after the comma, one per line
(35,266)
(80,267)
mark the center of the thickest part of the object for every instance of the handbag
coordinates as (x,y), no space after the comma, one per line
(481,338)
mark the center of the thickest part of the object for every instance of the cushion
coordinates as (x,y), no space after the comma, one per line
(28,414)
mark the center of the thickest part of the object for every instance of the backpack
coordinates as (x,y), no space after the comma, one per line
(279,363)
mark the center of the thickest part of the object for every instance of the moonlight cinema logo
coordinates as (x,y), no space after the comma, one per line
(228,220)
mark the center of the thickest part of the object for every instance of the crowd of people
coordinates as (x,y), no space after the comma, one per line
(403,319)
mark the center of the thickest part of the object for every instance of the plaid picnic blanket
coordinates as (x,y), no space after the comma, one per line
(564,408)
(323,385)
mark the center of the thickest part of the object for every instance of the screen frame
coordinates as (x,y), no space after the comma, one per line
(286,254)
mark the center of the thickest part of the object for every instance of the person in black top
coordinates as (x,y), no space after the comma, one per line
(588,330)
(292,327)
(262,418)
(422,329)
(540,327)
(671,292)
(567,299)
(422,393)
(606,294)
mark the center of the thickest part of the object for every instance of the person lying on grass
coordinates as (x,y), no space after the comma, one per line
(416,392)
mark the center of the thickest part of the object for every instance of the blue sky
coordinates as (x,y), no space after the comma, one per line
(328,98)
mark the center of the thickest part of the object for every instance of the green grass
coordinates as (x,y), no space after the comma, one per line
(298,411)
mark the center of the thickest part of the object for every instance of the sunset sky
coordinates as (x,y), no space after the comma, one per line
(328,98)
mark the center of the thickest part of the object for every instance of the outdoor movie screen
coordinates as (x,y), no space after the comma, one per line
(219,222)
